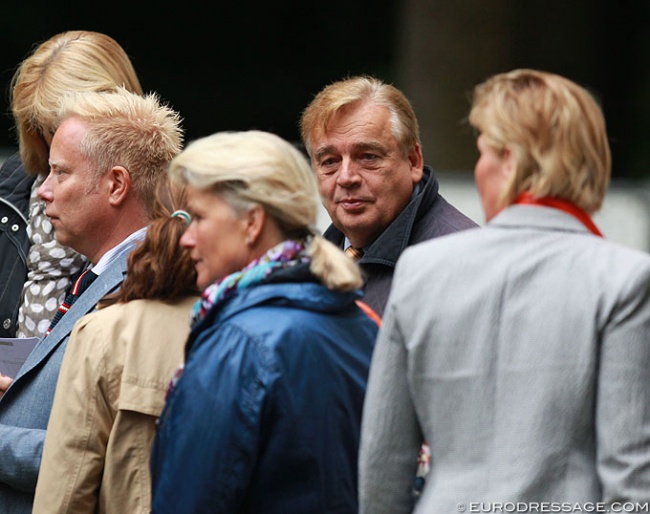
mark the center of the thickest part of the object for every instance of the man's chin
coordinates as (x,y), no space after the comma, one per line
(359,234)
(61,238)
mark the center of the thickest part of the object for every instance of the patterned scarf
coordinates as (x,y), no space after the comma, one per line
(284,255)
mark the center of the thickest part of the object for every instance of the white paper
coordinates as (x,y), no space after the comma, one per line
(13,352)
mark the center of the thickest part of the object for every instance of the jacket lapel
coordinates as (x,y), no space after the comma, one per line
(107,282)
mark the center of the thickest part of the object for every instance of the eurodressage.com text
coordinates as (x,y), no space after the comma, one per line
(509,507)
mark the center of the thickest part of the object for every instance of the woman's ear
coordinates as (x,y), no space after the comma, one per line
(508,162)
(255,219)
(119,185)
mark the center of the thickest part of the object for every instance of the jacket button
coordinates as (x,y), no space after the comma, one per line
(6,324)
(4,219)
(15,227)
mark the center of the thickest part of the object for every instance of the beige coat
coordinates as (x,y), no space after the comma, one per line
(110,392)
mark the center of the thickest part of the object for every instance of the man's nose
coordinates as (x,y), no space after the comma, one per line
(44,191)
(348,173)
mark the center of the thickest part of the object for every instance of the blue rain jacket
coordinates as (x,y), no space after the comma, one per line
(266,416)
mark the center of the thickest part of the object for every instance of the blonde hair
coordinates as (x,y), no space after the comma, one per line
(258,168)
(123,128)
(75,60)
(555,130)
(356,91)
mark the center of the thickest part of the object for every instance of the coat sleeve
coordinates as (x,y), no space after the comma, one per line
(78,429)
(622,405)
(390,433)
(208,437)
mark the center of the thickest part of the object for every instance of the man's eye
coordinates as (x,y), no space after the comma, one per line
(368,156)
(328,166)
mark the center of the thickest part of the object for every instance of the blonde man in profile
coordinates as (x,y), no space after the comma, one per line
(106,158)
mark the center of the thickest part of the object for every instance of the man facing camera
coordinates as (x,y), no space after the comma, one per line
(363,139)
(106,158)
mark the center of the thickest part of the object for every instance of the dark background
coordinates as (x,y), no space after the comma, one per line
(246,64)
(228,66)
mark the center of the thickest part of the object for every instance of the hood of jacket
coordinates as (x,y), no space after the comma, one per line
(311,296)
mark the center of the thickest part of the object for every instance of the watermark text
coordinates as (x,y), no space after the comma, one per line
(515,507)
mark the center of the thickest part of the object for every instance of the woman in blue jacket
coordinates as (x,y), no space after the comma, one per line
(265,415)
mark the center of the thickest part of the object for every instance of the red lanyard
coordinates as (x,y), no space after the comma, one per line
(527,198)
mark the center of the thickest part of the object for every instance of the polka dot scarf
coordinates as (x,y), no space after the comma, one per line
(50,268)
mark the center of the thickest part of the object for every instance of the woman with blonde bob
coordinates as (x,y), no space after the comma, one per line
(526,365)
(266,414)
(549,134)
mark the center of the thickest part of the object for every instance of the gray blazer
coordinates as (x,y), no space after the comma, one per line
(521,352)
(26,405)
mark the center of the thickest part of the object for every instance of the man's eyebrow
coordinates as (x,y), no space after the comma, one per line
(323,150)
(357,147)
(371,145)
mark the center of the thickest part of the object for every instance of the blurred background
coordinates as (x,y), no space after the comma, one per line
(243,64)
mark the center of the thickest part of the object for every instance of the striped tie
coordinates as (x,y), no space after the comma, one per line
(355,253)
(80,285)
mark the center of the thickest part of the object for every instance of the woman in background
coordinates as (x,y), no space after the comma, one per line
(266,414)
(114,376)
(526,364)
(36,271)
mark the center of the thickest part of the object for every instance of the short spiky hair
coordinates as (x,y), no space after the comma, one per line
(129,130)
(357,90)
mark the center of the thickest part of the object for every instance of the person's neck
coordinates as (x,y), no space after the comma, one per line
(114,237)
(107,258)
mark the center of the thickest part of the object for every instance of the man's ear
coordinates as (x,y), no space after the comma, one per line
(119,185)
(417,163)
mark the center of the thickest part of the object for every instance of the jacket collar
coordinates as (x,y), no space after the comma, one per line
(537,217)
(390,244)
(311,296)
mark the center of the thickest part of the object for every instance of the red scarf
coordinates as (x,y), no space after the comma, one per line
(527,198)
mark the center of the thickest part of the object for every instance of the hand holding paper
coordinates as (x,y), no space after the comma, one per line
(13,352)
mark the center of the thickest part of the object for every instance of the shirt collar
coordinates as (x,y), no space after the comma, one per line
(108,258)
